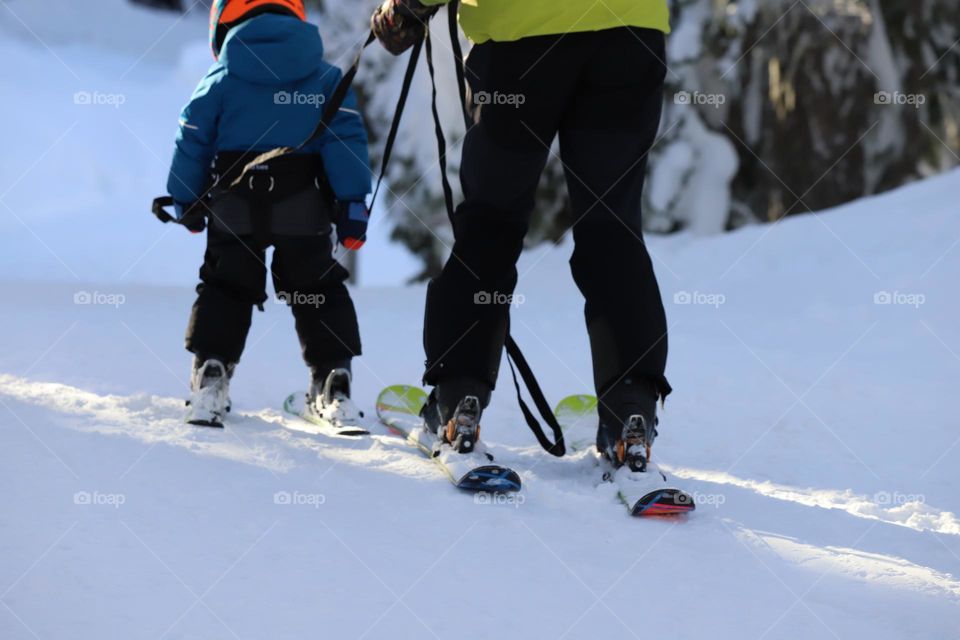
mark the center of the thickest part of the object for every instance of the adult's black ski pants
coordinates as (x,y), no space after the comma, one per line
(602,93)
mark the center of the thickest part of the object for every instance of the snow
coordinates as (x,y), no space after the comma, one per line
(811,423)
(813,361)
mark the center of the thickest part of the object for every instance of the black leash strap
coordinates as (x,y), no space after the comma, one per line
(398,113)
(515,357)
(438,129)
(159,211)
(452,10)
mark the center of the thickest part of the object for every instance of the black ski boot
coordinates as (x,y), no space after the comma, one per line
(453,412)
(628,422)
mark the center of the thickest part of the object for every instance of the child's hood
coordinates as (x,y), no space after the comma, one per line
(272,49)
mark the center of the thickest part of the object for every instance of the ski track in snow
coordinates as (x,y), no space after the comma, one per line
(914,514)
(258,440)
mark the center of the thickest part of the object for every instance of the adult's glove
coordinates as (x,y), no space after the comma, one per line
(351,220)
(400,24)
(193,216)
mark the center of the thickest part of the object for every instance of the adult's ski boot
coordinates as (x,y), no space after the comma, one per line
(453,413)
(628,423)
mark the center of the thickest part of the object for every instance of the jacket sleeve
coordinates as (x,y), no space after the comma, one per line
(346,157)
(196,139)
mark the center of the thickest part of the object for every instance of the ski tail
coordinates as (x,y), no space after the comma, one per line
(644,493)
(399,406)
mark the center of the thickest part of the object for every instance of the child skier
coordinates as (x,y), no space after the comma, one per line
(267,89)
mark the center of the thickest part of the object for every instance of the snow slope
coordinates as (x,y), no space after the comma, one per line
(812,419)
(813,424)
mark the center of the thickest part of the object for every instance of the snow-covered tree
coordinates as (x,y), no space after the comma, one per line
(823,101)
(771,107)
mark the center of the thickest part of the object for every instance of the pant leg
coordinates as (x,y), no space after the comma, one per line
(307,276)
(516,95)
(604,138)
(233,280)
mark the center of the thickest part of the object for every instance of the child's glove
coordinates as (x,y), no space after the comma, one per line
(351,220)
(400,24)
(192,216)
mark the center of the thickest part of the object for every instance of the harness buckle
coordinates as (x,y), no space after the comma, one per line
(270,185)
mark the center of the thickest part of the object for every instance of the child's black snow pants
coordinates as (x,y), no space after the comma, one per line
(297,223)
(601,92)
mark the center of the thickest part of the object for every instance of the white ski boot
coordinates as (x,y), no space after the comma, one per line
(329,401)
(210,393)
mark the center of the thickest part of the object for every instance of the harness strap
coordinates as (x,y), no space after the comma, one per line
(329,113)
(438,128)
(515,359)
(333,107)
(397,114)
(452,11)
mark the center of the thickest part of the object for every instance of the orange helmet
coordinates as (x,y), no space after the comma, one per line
(226,14)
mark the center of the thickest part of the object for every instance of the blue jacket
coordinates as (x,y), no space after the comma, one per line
(268,90)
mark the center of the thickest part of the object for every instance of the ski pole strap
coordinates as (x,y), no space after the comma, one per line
(329,113)
(515,357)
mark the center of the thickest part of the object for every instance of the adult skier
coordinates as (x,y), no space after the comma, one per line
(593,74)
(266,90)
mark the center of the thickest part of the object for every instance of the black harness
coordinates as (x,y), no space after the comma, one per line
(288,195)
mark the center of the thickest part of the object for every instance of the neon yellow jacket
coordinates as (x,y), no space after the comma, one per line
(506,20)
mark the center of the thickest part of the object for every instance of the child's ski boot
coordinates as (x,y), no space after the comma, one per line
(329,400)
(210,392)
